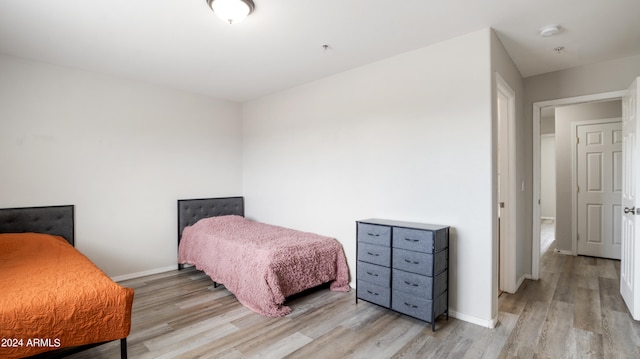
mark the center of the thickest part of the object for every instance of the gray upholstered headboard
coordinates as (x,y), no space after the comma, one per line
(56,220)
(192,210)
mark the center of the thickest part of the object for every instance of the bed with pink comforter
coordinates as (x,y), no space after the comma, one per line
(262,264)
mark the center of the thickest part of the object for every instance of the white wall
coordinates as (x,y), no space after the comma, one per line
(548,176)
(548,124)
(407,138)
(584,80)
(565,115)
(123,152)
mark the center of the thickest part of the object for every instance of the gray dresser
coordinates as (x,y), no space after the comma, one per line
(404,266)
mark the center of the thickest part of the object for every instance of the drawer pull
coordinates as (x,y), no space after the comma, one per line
(373,293)
(411,262)
(410,305)
(373,274)
(373,234)
(411,284)
(373,254)
(411,240)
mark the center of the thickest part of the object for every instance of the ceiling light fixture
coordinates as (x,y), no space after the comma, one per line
(549,30)
(231,11)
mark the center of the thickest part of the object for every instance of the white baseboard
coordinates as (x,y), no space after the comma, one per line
(521,280)
(473,320)
(566,253)
(144,273)
(516,286)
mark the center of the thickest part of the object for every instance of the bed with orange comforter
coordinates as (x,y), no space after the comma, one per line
(54,297)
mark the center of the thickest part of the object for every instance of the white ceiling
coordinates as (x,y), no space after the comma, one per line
(182,44)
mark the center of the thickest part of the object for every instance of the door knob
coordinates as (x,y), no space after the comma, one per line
(631,210)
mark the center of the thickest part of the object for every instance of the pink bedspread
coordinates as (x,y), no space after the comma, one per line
(262,264)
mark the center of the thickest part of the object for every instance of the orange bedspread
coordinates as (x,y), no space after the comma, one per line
(52,296)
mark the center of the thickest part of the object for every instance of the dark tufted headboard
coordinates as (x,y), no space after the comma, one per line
(192,210)
(56,220)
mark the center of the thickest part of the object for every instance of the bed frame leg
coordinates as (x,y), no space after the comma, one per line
(123,348)
(180,266)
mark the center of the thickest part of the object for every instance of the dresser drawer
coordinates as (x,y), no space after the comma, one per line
(374,293)
(374,234)
(419,307)
(419,262)
(418,240)
(374,274)
(419,285)
(374,254)
(410,261)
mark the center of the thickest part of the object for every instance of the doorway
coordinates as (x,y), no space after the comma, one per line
(538,107)
(547,184)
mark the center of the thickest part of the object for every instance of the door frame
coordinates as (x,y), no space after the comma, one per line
(507,249)
(574,176)
(537,109)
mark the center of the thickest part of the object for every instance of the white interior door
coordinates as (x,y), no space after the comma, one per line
(629,268)
(506,221)
(599,212)
(503,191)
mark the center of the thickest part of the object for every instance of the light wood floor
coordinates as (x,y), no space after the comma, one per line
(573,311)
